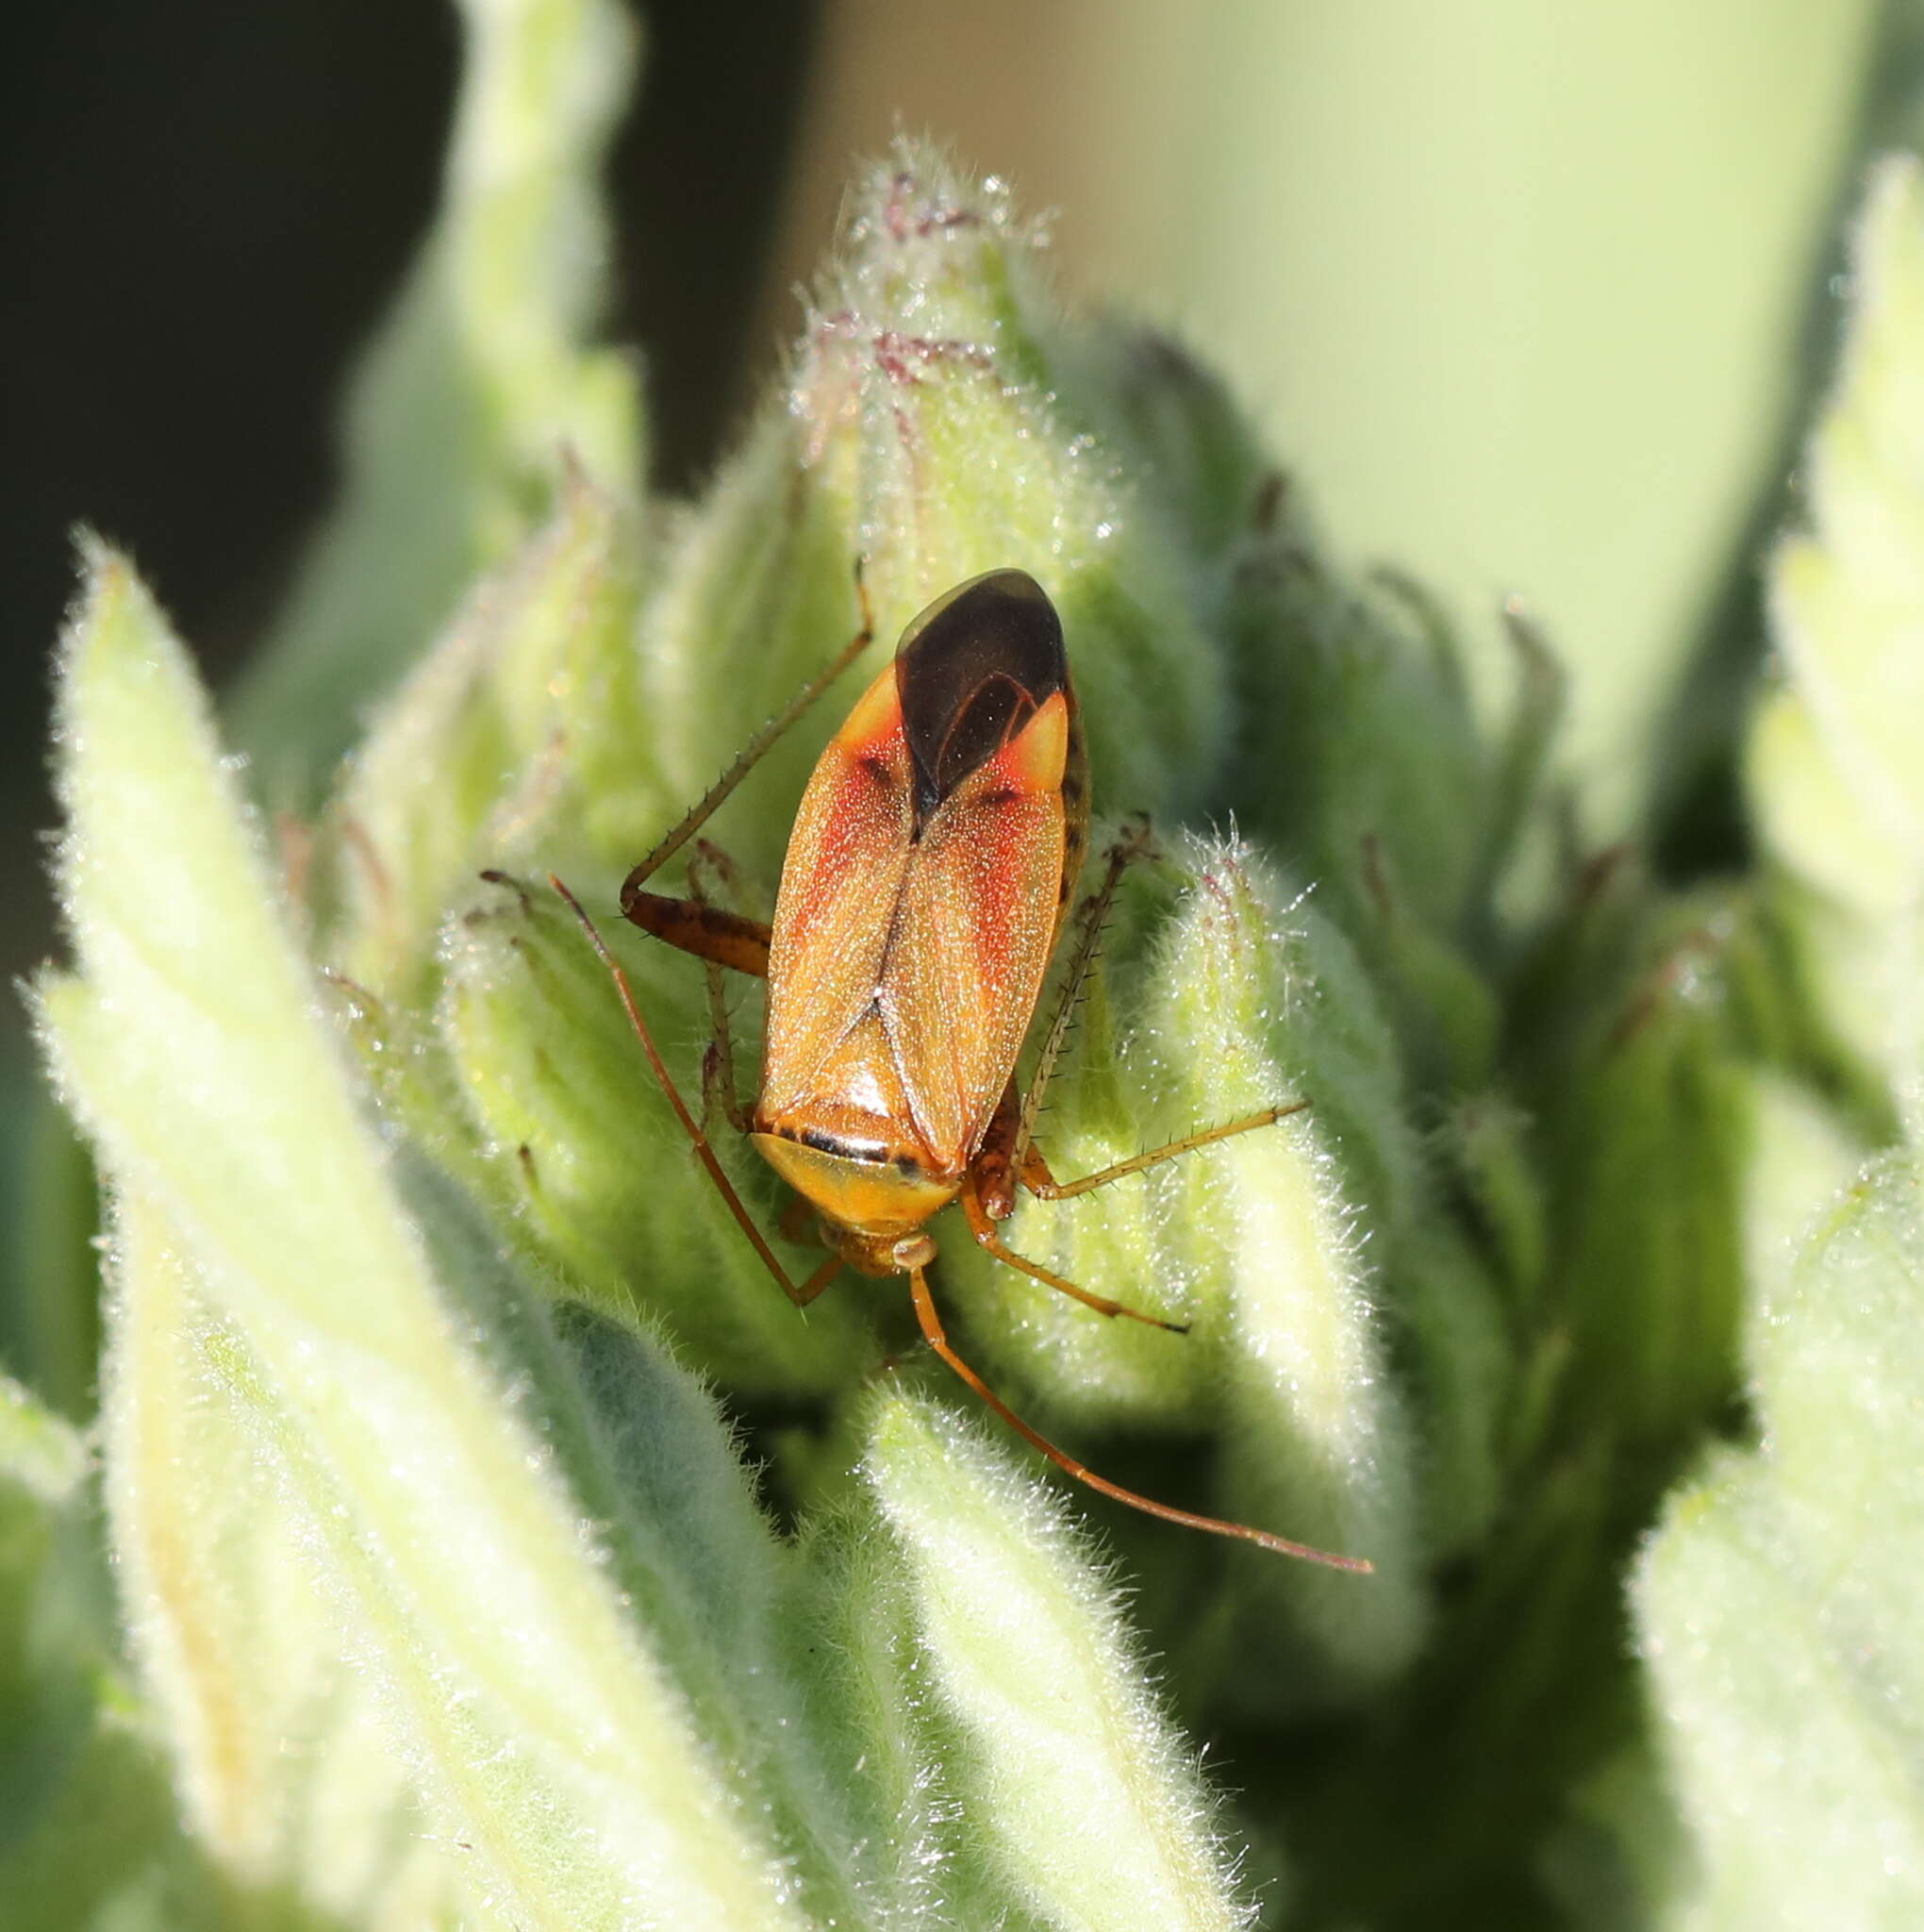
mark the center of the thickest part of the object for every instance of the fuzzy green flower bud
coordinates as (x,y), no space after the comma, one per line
(1193,452)
(1358,746)
(1242,997)
(587,1157)
(1459,1352)
(1090,1806)
(1483,1142)
(1647,1127)
(521,719)
(754,599)
(1359,757)
(854,1615)
(925,385)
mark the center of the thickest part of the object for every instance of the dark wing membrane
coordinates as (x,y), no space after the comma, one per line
(972,670)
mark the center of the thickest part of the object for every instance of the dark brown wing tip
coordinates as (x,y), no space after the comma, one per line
(969,671)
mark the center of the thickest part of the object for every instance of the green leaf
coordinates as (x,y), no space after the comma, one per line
(584,1757)
(1776,1605)
(271,1720)
(1835,775)
(87,1825)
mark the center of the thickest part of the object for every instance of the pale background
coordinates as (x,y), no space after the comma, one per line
(1515,288)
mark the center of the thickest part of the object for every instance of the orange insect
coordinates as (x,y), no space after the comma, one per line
(926,881)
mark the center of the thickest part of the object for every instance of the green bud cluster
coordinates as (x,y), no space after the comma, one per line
(448,1593)
(591,1170)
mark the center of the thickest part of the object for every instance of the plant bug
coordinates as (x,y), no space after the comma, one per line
(925,886)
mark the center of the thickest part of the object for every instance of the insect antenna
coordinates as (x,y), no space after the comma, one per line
(934,1333)
(801,1296)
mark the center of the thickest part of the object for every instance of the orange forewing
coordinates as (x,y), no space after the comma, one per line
(847,859)
(974,932)
(903,973)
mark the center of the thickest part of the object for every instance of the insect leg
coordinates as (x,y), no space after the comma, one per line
(1090,916)
(709,932)
(710,856)
(1039,1182)
(983,1228)
(717,1063)
(993,1173)
(718,1086)
(933,1335)
(830,1268)
(703,1152)
(751,752)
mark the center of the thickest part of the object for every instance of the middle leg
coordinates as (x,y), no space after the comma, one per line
(976,1213)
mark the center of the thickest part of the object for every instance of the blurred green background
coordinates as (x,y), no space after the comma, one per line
(1523,294)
